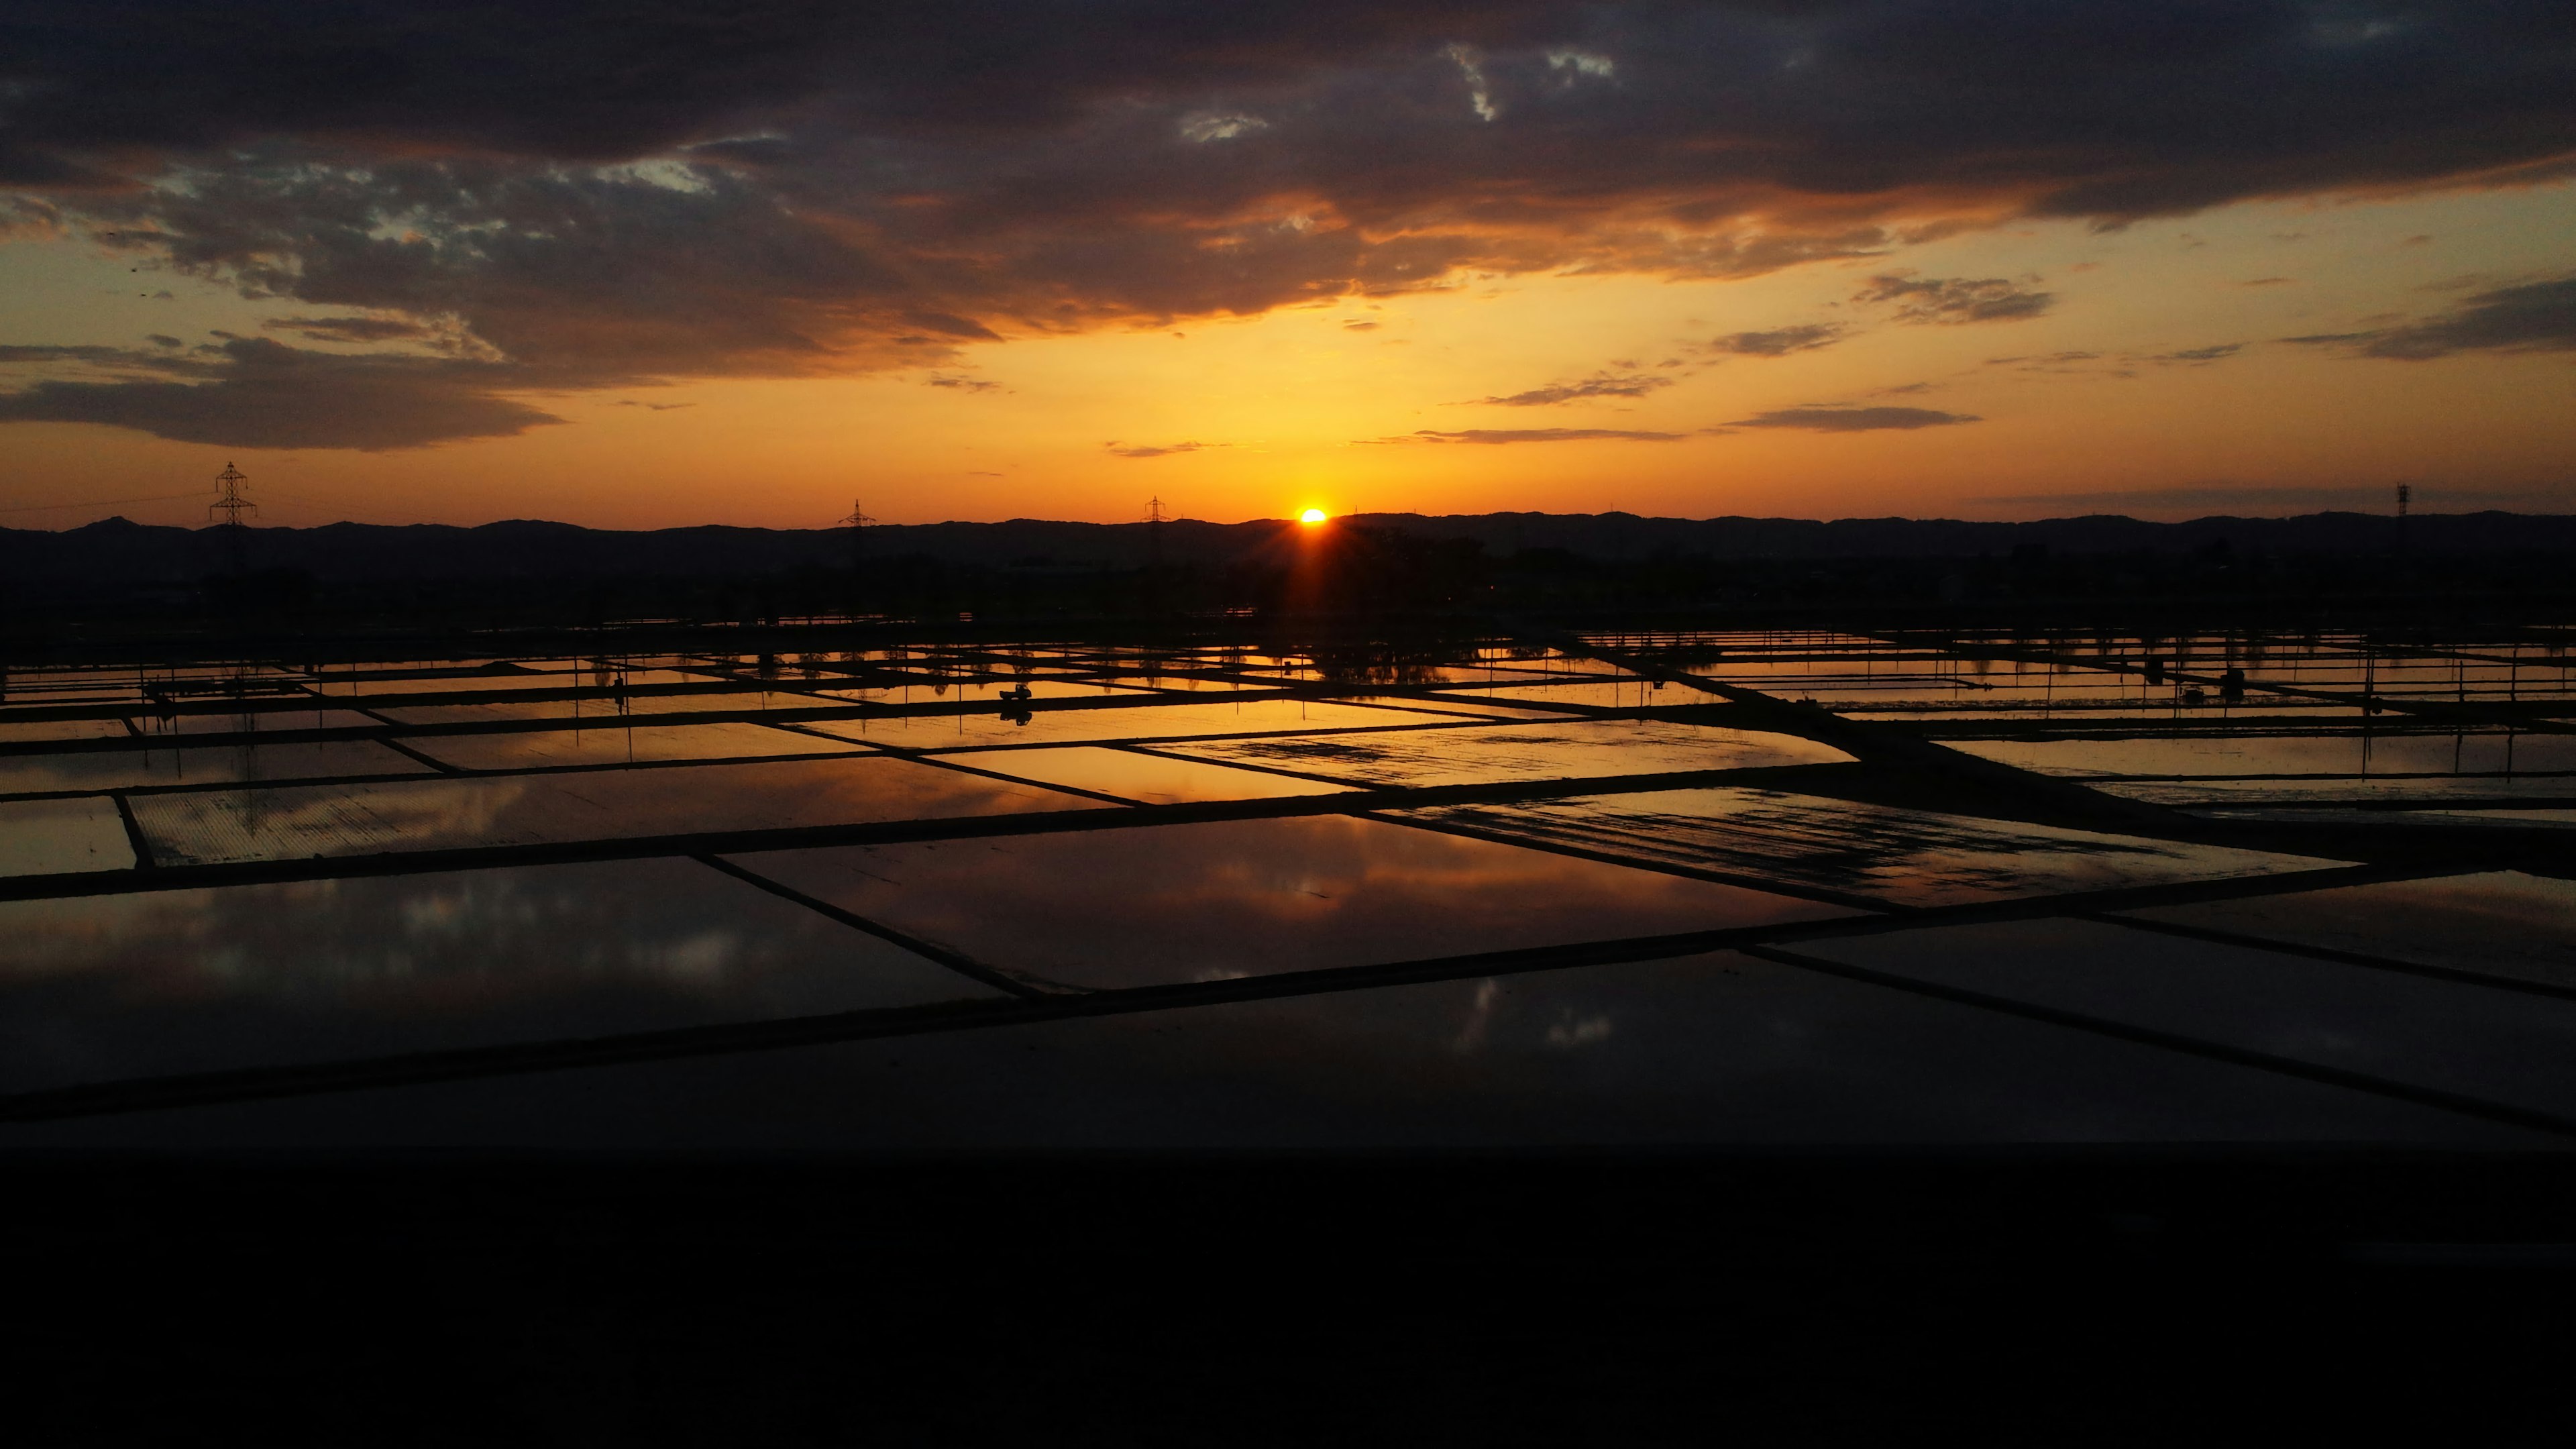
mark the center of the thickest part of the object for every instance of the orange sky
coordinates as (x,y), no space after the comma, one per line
(2136,365)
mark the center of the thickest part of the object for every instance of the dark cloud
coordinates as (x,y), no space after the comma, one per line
(1956,299)
(2532,317)
(1853,420)
(2200,354)
(1780,341)
(1141,450)
(950,326)
(1532,435)
(267,395)
(655,407)
(962,382)
(1598,385)
(24,353)
(598,192)
(348,329)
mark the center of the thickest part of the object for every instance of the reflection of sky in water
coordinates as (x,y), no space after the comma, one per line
(931,732)
(1605,694)
(599,707)
(2237,792)
(260,721)
(214,764)
(2146,714)
(1524,752)
(2498,921)
(2493,1045)
(1150,779)
(100,987)
(1714,1050)
(972,689)
(50,837)
(1197,902)
(610,743)
(1906,857)
(1708,1050)
(41,731)
(294,822)
(2348,753)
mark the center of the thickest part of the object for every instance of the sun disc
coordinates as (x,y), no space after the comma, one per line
(1311,515)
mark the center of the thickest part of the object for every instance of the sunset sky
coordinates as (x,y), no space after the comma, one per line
(647,265)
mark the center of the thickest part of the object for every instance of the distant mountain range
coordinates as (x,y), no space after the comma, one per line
(120,552)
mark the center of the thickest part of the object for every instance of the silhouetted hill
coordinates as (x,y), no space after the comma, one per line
(120,553)
(348,578)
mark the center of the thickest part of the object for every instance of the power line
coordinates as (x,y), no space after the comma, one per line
(96,503)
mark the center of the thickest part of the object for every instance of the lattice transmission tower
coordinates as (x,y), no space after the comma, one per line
(857,523)
(229,508)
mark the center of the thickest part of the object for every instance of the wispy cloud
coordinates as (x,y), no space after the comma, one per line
(2532,317)
(961,382)
(348,329)
(1780,341)
(1598,385)
(1531,435)
(1951,301)
(1163,450)
(1853,420)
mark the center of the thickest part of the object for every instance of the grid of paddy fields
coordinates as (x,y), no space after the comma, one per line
(1627,891)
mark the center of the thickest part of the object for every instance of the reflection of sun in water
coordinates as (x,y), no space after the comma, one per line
(1311,515)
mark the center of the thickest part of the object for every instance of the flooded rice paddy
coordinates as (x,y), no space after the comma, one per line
(1670,889)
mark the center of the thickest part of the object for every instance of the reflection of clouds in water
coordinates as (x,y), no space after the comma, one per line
(494,935)
(1480,1018)
(703,959)
(1570,1031)
(1128,905)
(251,824)
(208,979)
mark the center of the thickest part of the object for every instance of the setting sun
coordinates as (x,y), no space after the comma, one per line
(1311,515)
